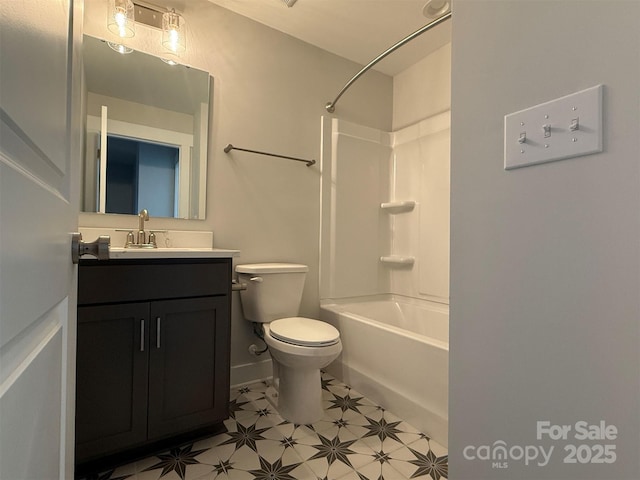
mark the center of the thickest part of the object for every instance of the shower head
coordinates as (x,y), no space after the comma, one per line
(436,8)
(289,3)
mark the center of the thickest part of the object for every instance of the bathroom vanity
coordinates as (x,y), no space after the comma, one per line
(153,353)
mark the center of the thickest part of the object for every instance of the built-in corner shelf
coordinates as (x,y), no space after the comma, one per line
(398,260)
(398,206)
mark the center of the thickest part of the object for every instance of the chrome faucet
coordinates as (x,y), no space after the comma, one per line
(141,240)
(142,217)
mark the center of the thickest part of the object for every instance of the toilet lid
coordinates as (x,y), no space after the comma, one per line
(304,331)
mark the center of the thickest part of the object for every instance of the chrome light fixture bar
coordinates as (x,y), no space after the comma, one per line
(148,14)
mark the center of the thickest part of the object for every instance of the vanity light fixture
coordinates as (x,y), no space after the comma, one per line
(123,14)
(121,18)
(173,32)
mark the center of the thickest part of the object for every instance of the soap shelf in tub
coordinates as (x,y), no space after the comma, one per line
(398,260)
(398,206)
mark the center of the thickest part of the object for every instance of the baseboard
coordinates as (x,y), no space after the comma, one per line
(250,372)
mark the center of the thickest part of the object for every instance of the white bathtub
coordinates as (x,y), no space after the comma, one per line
(396,352)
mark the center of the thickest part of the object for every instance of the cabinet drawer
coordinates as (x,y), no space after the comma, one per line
(121,281)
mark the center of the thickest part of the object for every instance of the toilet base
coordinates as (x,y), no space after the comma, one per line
(272,396)
(298,398)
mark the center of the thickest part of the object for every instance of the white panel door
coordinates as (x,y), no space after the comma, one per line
(40,138)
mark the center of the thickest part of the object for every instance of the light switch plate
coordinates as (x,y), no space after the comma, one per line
(566,127)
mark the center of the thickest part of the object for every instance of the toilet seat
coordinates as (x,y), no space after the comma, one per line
(304,332)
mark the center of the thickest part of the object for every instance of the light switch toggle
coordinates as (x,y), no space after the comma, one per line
(547,130)
(575,124)
(523,137)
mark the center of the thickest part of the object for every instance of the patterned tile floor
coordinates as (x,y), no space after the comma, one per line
(355,440)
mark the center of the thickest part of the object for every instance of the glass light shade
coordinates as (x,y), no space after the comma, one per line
(121,18)
(173,32)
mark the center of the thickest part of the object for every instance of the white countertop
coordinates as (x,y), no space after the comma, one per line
(171,244)
(177,252)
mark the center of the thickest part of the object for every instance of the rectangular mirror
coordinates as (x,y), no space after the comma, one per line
(146,134)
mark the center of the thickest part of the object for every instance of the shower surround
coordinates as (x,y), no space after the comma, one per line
(385,251)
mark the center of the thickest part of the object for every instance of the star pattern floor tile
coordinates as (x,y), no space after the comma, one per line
(355,440)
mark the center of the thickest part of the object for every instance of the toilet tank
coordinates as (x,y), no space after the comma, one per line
(274,290)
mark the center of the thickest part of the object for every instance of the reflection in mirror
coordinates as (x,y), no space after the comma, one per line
(146,134)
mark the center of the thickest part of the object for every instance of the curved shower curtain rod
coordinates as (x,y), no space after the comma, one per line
(331,106)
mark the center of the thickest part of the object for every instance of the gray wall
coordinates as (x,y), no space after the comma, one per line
(269,94)
(545,278)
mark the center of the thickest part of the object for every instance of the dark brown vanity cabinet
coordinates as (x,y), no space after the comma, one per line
(153,351)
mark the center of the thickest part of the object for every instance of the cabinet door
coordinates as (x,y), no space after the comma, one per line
(188,364)
(111,389)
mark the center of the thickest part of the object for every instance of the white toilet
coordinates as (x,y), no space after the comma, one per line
(299,346)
